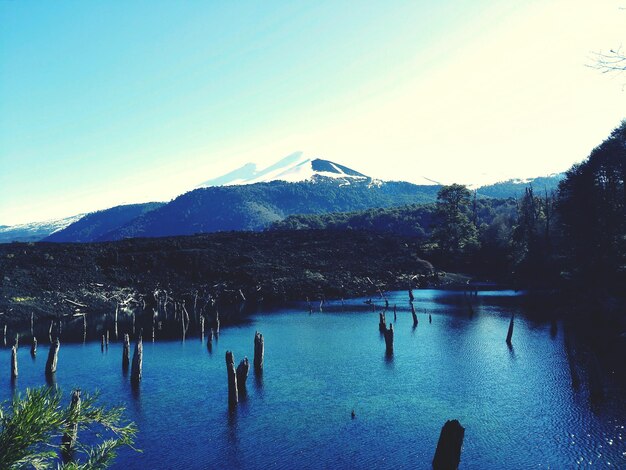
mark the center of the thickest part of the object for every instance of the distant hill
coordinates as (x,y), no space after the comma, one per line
(256,206)
(97,224)
(250,198)
(515,187)
(34,231)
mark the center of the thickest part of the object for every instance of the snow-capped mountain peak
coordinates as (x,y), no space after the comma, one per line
(293,168)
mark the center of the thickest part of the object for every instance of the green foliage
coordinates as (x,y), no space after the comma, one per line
(592,210)
(31,428)
(454,233)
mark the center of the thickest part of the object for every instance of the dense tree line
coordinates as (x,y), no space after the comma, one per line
(544,237)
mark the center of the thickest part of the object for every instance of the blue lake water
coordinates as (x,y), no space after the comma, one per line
(517,404)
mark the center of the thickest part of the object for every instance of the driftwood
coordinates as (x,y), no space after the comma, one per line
(389,339)
(233,393)
(53,355)
(69,438)
(242,374)
(448,453)
(33,347)
(509,335)
(259,351)
(13,362)
(136,370)
(126,353)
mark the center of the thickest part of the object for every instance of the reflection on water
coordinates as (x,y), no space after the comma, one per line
(516,402)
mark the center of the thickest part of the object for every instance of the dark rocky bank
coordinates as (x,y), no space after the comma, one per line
(50,280)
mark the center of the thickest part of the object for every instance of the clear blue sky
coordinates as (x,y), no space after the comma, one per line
(103,103)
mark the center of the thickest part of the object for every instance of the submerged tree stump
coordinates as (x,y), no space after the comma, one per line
(233,393)
(414,315)
(53,355)
(259,351)
(242,374)
(126,353)
(389,339)
(33,347)
(69,438)
(136,370)
(13,362)
(448,453)
(509,335)
(382,324)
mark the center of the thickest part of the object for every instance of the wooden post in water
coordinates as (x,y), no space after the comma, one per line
(233,393)
(414,315)
(102,343)
(135,373)
(430,318)
(382,325)
(17,340)
(13,362)
(201,328)
(33,347)
(448,453)
(69,438)
(259,351)
(509,335)
(53,356)
(126,353)
(107,340)
(411,297)
(389,339)
(394,313)
(242,374)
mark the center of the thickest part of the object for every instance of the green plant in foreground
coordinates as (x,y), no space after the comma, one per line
(31,428)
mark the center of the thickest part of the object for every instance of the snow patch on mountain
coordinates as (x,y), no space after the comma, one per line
(34,231)
(293,168)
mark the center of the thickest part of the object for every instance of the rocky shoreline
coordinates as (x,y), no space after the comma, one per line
(52,280)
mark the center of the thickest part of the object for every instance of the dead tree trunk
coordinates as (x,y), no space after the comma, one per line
(217,323)
(13,362)
(69,438)
(430,318)
(126,353)
(411,297)
(382,325)
(242,374)
(448,453)
(233,394)
(509,335)
(389,339)
(53,355)
(33,347)
(414,315)
(135,373)
(259,351)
